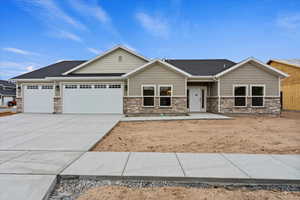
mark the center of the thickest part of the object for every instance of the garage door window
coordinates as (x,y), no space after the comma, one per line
(85,86)
(115,86)
(32,87)
(100,86)
(47,87)
(70,86)
(148,95)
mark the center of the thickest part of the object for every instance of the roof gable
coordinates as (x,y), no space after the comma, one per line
(258,63)
(79,69)
(165,64)
(290,62)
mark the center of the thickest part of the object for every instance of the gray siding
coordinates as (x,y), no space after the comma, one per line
(214,89)
(249,74)
(157,75)
(111,64)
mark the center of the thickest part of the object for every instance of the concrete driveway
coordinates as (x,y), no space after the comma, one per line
(54,132)
(34,148)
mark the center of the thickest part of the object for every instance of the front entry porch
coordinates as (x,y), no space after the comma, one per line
(197,98)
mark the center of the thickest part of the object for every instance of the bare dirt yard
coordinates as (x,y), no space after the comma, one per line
(182,193)
(243,134)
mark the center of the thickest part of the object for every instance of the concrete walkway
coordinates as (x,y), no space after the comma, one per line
(235,168)
(192,116)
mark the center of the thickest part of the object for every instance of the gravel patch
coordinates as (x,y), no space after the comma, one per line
(71,189)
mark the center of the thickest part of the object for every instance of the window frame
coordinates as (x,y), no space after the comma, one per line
(159,86)
(142,94)
(246,95)
(263,96)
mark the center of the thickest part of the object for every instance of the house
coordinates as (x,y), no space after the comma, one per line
(7,92)
(123,81)
(290,87)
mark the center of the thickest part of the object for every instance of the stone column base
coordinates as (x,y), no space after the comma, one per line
(57,105)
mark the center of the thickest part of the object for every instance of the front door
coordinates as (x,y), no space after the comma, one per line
(197,98)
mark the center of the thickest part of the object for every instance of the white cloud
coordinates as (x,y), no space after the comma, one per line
(9,69)
(30,68)
(91,8)
(94,51)
(18,51)
(50,13)
(290,21)
(69,36)
(153,24)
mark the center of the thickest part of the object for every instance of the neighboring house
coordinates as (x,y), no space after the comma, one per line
(290,87)
(122,81)
(7,92)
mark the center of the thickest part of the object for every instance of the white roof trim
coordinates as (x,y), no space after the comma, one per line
(256,61)
(161,62)
(30,79)
(104,54)
(284,62)
(86,78)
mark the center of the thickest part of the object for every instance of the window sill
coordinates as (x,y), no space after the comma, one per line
(258,107)
(166,107)
(240,106)
(148,106)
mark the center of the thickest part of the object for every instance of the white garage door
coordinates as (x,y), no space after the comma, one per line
(93,98)
(38,98)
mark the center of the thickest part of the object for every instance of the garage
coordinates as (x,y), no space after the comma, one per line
(38,98)
(93,98)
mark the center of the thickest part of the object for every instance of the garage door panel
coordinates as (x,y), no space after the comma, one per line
(93,100)
(38,99)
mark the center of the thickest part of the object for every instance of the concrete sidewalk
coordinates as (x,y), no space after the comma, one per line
(236,168)
(192,116)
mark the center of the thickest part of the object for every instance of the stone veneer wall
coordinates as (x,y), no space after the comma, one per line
(134,105)
(212,104)
(271,106)
(57,105)
(19,101)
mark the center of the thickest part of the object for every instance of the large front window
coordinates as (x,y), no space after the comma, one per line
(257,93)
(165,93)
(148,95)
(240,93)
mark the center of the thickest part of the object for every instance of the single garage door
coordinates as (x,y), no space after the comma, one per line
(38,98)
(93,98)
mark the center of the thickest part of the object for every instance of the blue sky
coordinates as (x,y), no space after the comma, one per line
(35,33)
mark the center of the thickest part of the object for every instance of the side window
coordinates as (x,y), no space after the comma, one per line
(165,93)
(240,93)
(148,96)
(257,94)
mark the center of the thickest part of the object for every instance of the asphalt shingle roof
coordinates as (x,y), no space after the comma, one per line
(52,70)
(206,67)
(202,67)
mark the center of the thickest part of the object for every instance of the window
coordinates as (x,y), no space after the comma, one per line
(47,87)
(114,86)
(257,94)
(148,95)
(85,86)
(165,93)
(120,58)
(70,86)
(240,93)
(32,87)
(100,86)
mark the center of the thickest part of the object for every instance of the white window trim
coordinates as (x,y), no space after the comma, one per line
(142,95)
(246,102)
(258,85)
(159,86)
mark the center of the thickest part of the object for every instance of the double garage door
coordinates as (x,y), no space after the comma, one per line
(76,98)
